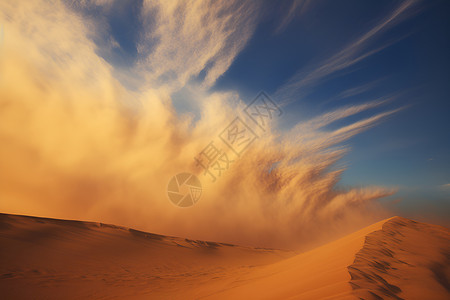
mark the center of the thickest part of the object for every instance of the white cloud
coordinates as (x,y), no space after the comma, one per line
(296,8)
(190,36)
(301,83)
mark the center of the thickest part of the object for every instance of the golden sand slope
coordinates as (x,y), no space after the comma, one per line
(55,259)
(316,274)
(44,258)
(404,260)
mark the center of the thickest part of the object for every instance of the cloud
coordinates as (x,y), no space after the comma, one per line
(296,8)
(73,148)
(445,186)
(355,91)
(304,80)
(171,42)
(194,37)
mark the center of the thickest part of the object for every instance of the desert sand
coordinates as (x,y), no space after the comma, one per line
(43,258)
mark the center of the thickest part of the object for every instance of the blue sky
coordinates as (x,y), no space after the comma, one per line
(405,61)
(409,150)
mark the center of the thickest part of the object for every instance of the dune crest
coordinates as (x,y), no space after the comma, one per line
(404,260)
(43,258)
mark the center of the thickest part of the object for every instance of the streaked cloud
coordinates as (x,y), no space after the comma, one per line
(176,40)
(358,90)
(356,51)
(445,186)
(195,36)
(295,9)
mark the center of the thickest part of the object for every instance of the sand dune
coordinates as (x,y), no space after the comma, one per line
(53,259)
(404,260)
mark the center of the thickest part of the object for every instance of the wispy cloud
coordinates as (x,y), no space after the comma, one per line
(342,113)
(358,90)
(445,186)
(295,9)
(193,37)
(358,50)
(176,41)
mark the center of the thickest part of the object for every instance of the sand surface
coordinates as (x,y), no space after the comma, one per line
(404,260)
(59,259)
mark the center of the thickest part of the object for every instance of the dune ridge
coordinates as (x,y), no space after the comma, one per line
(404,260)
(43,258)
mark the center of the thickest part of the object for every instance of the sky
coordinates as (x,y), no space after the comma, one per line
(409,151)
(104,101)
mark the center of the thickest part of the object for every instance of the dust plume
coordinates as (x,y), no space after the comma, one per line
(76,143)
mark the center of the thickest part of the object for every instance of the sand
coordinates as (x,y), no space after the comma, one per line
(404,260)
(44,258)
